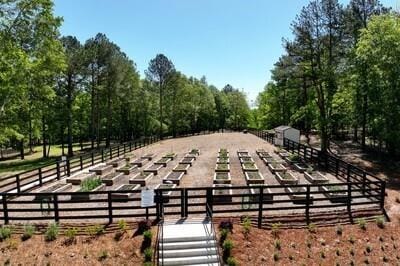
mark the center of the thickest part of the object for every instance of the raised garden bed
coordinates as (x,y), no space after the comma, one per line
(315,177)
(194,152)
(154,168)
(258,151)
(77,179)
(222,178)
(101,169)
(298,198)
(58,187)
(276,167)
(270,160)
(125,195)
(223,160)
(301,167)
(112,178)
(286,178)
(249,167)
(166,186)
(284,154)
(181,168)
(148,156)
(129,157)
(242,154)
(173,177)
(127,169)
(187,160)
(268,197)
(292,158)
(246,160)
(189,155)
(117,162)
(163,161)
(254,178)
(140,162)
(140,178)
(222,195)
(222,167)
(264,155)
(92,184)
(223,150)
(334,193)
(171,156)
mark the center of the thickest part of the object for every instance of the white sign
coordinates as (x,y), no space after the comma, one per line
(147,198)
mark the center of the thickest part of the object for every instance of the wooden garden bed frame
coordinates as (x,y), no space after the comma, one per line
(154,168)
(125,195)
(112,178)
(78,178)
(101,169)
(226,180)
(135,179)
(173,177)
(285,181)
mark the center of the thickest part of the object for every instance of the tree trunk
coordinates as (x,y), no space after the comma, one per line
(44,137)
(22,152)
(92,114)
(161,111)
(69,117)
(364,122)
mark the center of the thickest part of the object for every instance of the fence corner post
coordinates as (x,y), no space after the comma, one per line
(260,207)
(5,208)
(308,199)
(55,204)
(110,212)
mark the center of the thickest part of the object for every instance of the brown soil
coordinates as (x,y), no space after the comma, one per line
(86,250)
(322,247)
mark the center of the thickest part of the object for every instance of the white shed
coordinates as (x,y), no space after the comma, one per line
(288,132)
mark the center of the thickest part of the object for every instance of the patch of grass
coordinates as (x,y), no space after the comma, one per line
(362,223)
(52,231)
(90,184)
(227,247)
(148,254)
(11,244)
(276,256)
(312,228)
(95,230)
(231,261)
(29,230)
(339,230)
(277,244)
(275,227)
(5,232)
(103,255)
(380,222)
(70,234)
(246,226)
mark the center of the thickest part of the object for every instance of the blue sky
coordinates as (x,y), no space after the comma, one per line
(228,41)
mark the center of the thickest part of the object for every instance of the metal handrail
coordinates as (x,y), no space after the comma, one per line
(160,240)
(214,234)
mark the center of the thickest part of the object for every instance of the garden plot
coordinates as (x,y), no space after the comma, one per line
(117,162)
(315,177)
(222,178)
(127,169)
(335,193)
(91,184)
(101,169)
(140,162)
(129,157)
(77,179)
(148,156)
(222,167)
(181,168)
(246,160)
(286,178)
(271,160)
(112,178)
(154,168)
(187,160)
(221,193)
(267,194)
(171,156)
(276,167)
(166,192)
(249,167)
(141,178)
(57,187)
(298,194)
(163,161)
(301,167)
(125,195)
(173,177)
(254,178)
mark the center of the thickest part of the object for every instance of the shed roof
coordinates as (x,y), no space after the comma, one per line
(282,128)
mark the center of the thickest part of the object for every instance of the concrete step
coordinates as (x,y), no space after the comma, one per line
(206,260)
(189,244)
(193,238)
(178,253)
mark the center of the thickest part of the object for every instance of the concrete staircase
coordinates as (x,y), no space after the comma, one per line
(188,242)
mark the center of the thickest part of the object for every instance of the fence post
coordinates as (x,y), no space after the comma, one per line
(40,177)
(186,203)
(349,201)
(124,148)
(5,209)
(348,172)
(68,167)
(260,207)
(102,155)
(383,188)
(58,170)
(118,151)
(55,204)
(92,154)
(18,184)
(308,204)
(130,146)
(209,202)
(337,167)
(110,212)
(135,144)
(81,162)
(110,153)
(364,179)
(183,202)
(157,205)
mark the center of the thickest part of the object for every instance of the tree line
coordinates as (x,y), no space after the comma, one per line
(339,72)
(55,89)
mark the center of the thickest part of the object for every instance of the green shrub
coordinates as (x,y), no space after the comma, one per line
(339,230)
(275,227)
(122,225)
(70,233)
(90,184)
(231,261)
(277,244)
(362,223)
(147,237)
(5,232)
(29,230)
(380,222)
(246,226)
(276,256)
(148,254)
(95,230)
(223,235)
(52,231)
(103,255)
(311,228)
(227,247)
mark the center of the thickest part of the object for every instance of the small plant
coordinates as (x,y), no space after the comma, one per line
(366,261)
(308,244)
(122,225)
(148,254)
(226,224)
(246,226)
(362,223)
(380,222)
(385,259)
(310,170)
(368,249)
(223,235)
(71,233)
(311,228)
(275,227)
(103,255)
(351,240)
(29,230)
(291,257)
(95,230)
(337,252)
(352,252)
(277,244)
(227,247)
(276,256)
(90,184)
(339,230)
(5,232)
(381,238)
(12,244)
(231,261)
(322,254)
(147,237)
(52,231)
